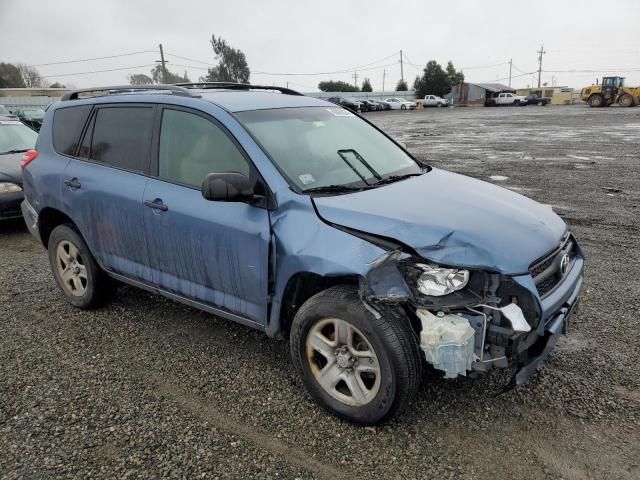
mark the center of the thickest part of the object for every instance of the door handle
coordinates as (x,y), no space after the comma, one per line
(73,183)
(156,205)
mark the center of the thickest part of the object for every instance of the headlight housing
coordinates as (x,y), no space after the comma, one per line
(438,281)
(8,187)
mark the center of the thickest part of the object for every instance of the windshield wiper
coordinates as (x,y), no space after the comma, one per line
(17,150)
(334,189)
(395,178)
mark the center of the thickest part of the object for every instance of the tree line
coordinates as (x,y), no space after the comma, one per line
(434,81)
(19,75)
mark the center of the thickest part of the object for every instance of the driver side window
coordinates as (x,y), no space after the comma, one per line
(192,146)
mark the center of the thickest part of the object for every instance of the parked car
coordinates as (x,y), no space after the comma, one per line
(509,99)
(372,106)
(350,103)
(31,117)
(5,112)
(534,99)
(434,101)
(400,104)
(15,139)
(291,215)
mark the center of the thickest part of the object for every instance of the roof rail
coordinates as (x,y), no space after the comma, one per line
(236,86)
(172,89)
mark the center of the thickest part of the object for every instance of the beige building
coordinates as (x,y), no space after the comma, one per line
(558,95)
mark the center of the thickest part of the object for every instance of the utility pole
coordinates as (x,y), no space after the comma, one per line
(510,65)
(164,66)
(540,53)
(401,68)
(384,74)
(355,79)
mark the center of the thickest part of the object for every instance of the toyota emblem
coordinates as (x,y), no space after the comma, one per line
(564,264)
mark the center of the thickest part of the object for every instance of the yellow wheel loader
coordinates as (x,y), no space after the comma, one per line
(610,91)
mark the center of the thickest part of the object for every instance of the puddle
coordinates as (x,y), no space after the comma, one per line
(578,157)
(498,178)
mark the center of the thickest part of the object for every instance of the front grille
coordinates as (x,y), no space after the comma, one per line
(547,272)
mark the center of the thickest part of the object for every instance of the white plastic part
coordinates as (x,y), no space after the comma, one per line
(514,314)
(447,342)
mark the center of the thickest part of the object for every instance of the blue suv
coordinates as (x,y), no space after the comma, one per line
(299,218)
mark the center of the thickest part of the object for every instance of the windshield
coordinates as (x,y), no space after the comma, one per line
(36,113)
(318,147)
(4,110)
(15,137)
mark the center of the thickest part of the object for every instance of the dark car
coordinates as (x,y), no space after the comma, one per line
(350,103)
(372,106)
(534,99)
(292,215)
(15,140)
(31,117)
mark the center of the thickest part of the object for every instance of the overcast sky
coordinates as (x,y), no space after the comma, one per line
(299,36)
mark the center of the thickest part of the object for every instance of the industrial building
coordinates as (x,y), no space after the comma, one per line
(476,94)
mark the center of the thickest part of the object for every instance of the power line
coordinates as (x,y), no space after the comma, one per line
(310,74)
(98,71)
(94,58)
(260,72)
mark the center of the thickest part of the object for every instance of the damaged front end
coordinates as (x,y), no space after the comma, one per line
(470,321)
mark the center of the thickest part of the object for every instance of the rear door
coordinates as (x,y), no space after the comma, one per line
(214,253)
(103,187)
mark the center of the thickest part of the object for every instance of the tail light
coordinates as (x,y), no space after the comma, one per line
(28,157)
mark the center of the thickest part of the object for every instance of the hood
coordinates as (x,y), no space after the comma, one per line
(452,220)
(10,168)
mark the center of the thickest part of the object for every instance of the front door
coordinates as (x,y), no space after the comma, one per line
(215,253)
(104,184)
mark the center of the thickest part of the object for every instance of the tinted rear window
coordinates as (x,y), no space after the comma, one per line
(67,128)
(121,137)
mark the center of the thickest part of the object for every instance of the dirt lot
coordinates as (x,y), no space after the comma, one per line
(147,388)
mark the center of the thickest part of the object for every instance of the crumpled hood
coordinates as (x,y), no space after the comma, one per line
(453,220)
(10,168)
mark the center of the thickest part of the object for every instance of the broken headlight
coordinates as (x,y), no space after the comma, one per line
(438,281)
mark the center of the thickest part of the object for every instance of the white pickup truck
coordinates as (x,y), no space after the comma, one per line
(508,99)
(434,101)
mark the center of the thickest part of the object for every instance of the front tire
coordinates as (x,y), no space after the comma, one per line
(403,107)
(361,366)
(77,274)
(625,100)
(596,101)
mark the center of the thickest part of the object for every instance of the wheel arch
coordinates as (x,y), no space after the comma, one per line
(48,219)
(300,287)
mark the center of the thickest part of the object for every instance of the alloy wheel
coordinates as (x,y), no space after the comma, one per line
(71,268)
(343,362)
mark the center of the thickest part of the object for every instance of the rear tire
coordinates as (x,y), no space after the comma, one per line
(403,107)
(77,274)
(387,368)
(596,101)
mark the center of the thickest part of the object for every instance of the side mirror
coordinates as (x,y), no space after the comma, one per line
(227,187)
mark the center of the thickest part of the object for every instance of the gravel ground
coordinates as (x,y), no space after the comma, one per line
(148,388)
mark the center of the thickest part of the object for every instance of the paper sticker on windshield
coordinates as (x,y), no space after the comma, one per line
(307,179)
(10,122)
(340,112)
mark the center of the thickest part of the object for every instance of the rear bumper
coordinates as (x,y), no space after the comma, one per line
(10,205)
(31,219)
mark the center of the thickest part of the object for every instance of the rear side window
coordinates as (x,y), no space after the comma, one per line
(121,137)
(67,128)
